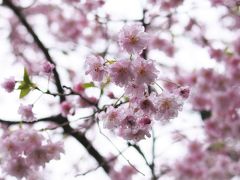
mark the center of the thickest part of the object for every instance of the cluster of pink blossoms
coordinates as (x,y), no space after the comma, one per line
(214,163)
(220,99)
(215,94)
(132,120)
(24,151)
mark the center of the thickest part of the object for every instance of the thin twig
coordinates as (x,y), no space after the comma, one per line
(117,148)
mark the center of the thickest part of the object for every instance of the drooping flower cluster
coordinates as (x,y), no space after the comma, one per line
(24,151)
(136,75)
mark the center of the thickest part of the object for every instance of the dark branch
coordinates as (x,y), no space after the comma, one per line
(22,19)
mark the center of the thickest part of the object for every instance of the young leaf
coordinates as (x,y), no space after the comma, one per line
(26,78)
(88,85)
(26,85)
(24,92)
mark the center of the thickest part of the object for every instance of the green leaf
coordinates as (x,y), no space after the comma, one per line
(26,78)
(26,85)
(88,85)
(23,85)
(24,92)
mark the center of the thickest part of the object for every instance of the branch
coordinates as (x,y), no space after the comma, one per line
(22,19)
(47,119)
(152,166)
(138,149)
(86,143)
(70,131)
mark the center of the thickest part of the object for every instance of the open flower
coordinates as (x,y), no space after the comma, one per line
(133,39)
(26,113)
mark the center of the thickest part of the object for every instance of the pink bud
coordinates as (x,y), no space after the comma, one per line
(111,95)
(47,67)
(9,84)
(184,92)
(78,88)
(66,108)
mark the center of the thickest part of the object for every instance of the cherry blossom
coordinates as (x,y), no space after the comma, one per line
(95,67)
(66,108)
(26,113)
(145,71)
(9,84)
(133,39)
(121,72)
(47,67)
(167,106)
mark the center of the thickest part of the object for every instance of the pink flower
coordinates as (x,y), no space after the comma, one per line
(134,89)
(121,72)
(166,5)
(87,101)
(112,118)
(53,150)
(66,108)
(17,167)
(147,105)
(216,54)
(133,127)
(43,154)
(125,173)
(79,88)
(133,39)
(47,67)
(111,95)
(26,113)
(38,157)
(25,150)
(144,105)
(95,67)
(167,106)
(183,92)
(9,84)
(163,45)
(144,70)
(145,121)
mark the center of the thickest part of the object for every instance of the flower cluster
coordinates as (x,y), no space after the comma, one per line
(216,162)
(25,151)
(136,75)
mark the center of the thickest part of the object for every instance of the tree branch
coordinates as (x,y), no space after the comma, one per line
(22,19)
